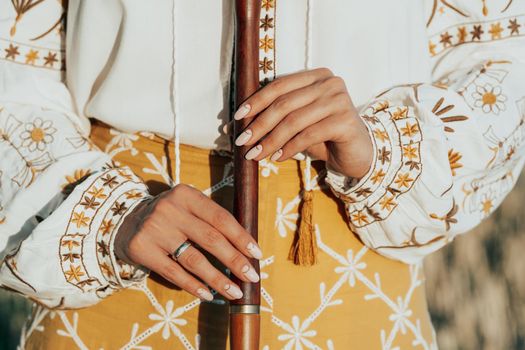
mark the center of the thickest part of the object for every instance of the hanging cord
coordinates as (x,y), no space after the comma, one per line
(174,98)
(303,250)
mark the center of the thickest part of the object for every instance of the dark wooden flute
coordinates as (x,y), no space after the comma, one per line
(244,313)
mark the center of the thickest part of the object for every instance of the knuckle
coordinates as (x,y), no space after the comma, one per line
(336,81)
(220,217)
(309,134)
(218,281)
(212,238)
(237,261)
(179,189)
(324,71)
(340,98)
(277,83)
(281,103)
(192,259)
(171,272)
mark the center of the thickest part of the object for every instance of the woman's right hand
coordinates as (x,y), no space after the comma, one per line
(156,228)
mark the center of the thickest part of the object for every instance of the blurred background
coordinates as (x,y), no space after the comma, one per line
(475,286)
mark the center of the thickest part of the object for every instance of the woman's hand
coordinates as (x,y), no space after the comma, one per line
(155,229)
(308,111)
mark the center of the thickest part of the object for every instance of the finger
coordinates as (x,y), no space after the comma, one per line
(158,261)
(276,112)
(214,242)
(291,125)
(223,221)
(325,130)
(280,86)
(196,262)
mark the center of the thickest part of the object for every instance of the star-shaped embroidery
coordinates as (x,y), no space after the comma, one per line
(32,56)
(70,256)
(268,4)
(106,227)
(74,273)
(360,218)
(119,208)
(514,26)
(476,32)
(50,59)
(266,23)
(266,65)
(70,244)
(410,129)
(90,202)
(462,34)
(495,31)
(80,219)
(387,203)
(11,52)
(404,180)
(445,39)
(383,155)
(266,43)
(110,181)
(103,248)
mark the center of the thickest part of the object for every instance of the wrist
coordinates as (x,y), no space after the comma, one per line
(129,227)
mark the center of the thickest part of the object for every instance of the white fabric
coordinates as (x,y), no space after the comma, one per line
(119,65)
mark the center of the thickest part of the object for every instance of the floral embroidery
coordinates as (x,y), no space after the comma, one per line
(460,34)
(98,197)
(267,41)
(376,196)
(105,234)
(32,55)
(38,134)
(490,99)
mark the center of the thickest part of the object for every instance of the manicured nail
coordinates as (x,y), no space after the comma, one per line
(244,137)
(204,294)
(254,250)
(276,155)
(254,152)
(242,112)
(250,273)
(233,291)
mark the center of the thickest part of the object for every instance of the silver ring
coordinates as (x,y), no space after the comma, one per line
(181,249)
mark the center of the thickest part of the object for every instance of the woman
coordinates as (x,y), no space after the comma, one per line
(89,222)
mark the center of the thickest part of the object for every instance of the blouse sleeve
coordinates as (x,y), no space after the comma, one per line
(446,153)
(61,199)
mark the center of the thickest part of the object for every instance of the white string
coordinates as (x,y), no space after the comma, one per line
(174,98)
(308,65)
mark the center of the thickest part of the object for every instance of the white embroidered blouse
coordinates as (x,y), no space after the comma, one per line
(440,85)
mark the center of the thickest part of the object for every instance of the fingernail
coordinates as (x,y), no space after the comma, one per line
(242,112)
(276,155)
(254,250)
(254,152)
(250,273)
(204,294)
(233,291)
(243,137)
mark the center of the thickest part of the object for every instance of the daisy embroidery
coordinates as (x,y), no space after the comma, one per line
(489,99)
(37,134)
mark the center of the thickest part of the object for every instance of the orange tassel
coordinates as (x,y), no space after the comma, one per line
(303,250)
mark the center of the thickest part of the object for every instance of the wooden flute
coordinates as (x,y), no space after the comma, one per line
(244,312)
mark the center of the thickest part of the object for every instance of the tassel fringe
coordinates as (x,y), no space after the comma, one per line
(303,251)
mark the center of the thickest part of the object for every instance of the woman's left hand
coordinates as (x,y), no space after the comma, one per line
(310,112)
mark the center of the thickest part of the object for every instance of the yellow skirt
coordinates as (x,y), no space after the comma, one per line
(352,298)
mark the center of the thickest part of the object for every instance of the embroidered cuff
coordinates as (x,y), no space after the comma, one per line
(94,221)
(396,166)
